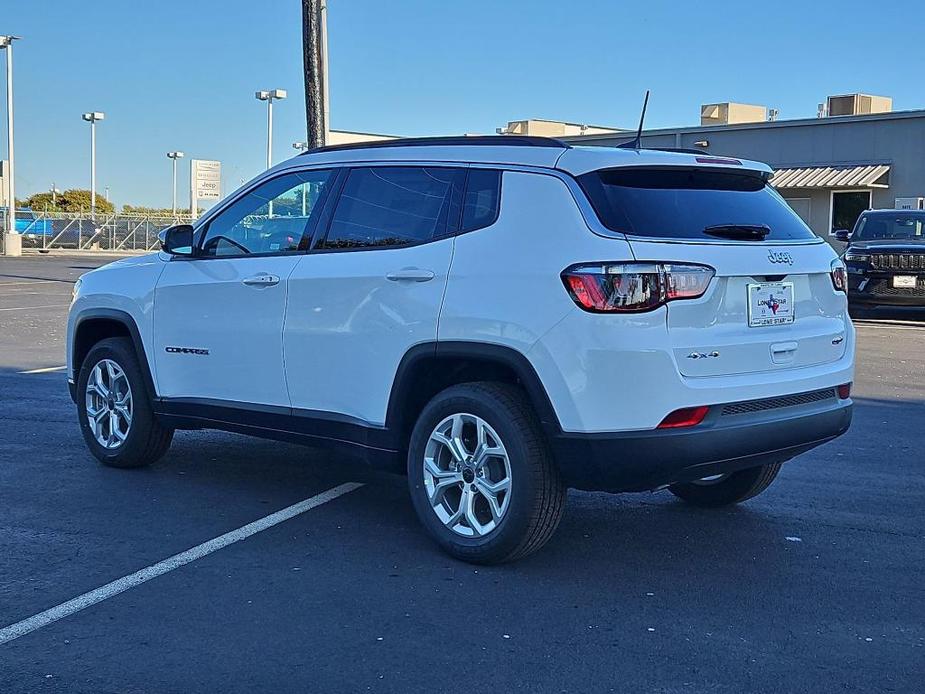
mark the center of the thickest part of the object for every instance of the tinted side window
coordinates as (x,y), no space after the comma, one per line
(483,195)
(269,219)
(394,206)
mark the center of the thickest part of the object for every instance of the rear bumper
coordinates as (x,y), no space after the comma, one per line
(643,460)
(863,299)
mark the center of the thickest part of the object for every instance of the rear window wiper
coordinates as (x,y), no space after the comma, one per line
(747,232)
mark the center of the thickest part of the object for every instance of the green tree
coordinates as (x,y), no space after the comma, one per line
(40,202)
(73,200)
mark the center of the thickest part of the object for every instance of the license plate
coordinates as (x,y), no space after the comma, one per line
(905,281)
(770,303)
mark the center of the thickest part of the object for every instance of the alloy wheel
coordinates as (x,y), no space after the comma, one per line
(467,475)
(109,404)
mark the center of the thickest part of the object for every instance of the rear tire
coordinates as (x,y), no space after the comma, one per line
(731,489)
(498,526)
(111,391)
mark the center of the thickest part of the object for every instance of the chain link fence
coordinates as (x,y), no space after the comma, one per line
(79,232)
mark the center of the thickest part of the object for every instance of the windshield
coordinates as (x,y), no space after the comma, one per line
(680,203)
(899,226)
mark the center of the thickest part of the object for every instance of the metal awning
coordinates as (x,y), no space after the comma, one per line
(840,176)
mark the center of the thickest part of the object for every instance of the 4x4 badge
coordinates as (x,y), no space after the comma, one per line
(780,257)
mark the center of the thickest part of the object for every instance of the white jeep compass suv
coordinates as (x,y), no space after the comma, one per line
(500,317)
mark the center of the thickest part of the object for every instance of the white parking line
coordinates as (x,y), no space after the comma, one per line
(14,631)
(51,292)
(45,370)
(27,308)
(10,284)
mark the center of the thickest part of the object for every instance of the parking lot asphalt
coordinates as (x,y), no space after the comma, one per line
(816,585)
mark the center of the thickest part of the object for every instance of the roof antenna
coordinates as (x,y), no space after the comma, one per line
(637,143)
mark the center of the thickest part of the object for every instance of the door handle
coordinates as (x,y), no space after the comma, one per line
(261,280)
(410,274)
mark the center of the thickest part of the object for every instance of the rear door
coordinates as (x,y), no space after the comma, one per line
(771,305)
(370,289)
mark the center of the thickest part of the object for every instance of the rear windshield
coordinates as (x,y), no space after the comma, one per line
(899,226)
(680,203)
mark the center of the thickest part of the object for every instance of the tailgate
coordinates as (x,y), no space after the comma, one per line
(796,317)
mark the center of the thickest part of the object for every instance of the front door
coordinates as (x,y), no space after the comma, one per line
(219,315)
(370,290)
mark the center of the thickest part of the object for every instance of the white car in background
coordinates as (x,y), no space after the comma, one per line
(499,317)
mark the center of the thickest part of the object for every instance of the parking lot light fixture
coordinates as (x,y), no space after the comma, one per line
(12,247)
(92,117)
(269,96)
(302,146)
(174,156)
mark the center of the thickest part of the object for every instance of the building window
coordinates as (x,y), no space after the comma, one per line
(847,206)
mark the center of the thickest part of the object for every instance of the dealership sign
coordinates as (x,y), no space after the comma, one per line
(206,177)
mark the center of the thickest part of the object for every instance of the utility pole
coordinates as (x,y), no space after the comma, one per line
(315,70)
(12,244)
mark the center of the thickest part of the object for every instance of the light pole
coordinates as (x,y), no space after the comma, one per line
(92,118)
(302,146)
(269,96)
(13,243)
(174,156)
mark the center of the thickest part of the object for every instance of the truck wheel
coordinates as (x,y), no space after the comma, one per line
(723,490)
(482,479)
(114,407)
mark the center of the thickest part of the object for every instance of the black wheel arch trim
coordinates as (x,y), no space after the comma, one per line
(502,355)
(128,322)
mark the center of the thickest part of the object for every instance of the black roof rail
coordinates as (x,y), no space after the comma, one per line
(458,140)
(631,144)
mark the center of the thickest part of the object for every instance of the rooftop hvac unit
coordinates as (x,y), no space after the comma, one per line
(857,104)
(910,203)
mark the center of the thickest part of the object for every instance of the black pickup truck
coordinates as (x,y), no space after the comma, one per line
(886,258)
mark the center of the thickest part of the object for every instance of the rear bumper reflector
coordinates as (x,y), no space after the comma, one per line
(685,417)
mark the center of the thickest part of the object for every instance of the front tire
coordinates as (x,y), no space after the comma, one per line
(729,489)
(114,407)
(481,475)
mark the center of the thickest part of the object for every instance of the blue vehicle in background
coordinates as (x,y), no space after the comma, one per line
(30,226)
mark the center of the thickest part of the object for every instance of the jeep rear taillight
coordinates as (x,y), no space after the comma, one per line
(634,287)
(839,276)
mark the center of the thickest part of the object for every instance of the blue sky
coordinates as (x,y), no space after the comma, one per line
(181,74)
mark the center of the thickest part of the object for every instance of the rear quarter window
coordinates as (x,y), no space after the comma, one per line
(482,198)
(680,203)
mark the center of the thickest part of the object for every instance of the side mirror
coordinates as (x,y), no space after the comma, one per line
(843,235)
(177,240)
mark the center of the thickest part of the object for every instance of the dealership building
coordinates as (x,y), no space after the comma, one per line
(857,154)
